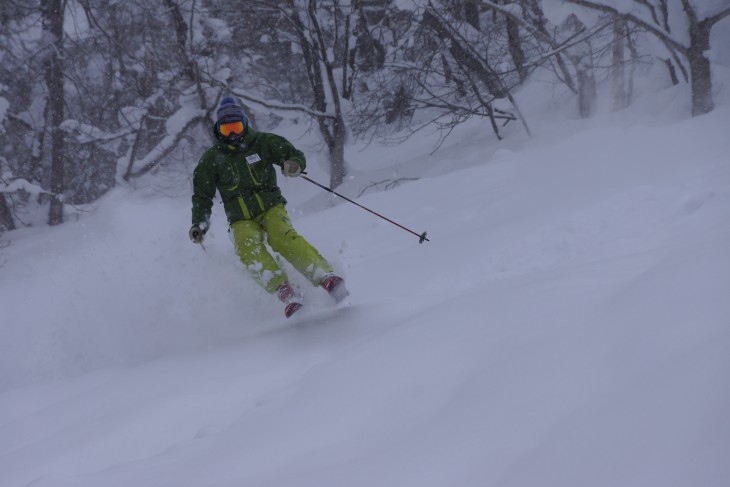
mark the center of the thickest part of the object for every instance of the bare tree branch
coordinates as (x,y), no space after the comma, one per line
(661,34)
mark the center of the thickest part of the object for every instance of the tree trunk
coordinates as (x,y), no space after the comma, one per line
(619,73)
(586,92)
(337,154)
(515,48)
(320,71)
(6,216)
(181,31)
(699,67)
(53,28)
(333,132)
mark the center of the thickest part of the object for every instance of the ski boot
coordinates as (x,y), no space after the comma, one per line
(289,297)
(335,286)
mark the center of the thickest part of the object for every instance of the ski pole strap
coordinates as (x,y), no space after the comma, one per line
(421,237)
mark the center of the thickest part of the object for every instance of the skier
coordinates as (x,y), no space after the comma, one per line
(241,167)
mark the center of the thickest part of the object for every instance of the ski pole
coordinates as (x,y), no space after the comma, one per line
(421,237)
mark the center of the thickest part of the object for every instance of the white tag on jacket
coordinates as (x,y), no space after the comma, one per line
(253,158)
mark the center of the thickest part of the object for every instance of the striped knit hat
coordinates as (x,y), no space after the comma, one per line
(230,111)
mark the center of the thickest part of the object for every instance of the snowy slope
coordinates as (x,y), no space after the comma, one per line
(567,325)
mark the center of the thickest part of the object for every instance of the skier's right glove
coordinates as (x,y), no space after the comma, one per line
(196,234)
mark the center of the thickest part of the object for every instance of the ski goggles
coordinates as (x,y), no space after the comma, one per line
(233,127)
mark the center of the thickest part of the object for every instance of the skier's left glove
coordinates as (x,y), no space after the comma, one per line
(291,169)
(196,234)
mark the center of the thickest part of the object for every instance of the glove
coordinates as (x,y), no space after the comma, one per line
(291,169)
(196,234)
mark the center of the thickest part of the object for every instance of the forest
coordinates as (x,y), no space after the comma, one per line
(95,94)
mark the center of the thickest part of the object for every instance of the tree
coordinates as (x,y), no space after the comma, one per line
(53,18)
(20,139)
(572,40)
(142,98)
(7,221)
(621,94)
(693,49)
(441,63)
(321,72)
(319,48)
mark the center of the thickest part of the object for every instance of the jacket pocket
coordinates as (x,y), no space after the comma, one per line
(229,178)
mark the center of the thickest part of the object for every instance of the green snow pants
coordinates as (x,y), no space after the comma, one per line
(248,238)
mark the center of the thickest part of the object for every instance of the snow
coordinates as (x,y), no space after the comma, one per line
(709,8)
(567,324)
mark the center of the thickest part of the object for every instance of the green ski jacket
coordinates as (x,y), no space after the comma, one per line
(244,176)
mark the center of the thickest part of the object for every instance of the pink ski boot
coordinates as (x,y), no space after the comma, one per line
(288,296)
(335,286)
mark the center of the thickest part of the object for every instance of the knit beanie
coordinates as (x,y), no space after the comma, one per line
(230,111)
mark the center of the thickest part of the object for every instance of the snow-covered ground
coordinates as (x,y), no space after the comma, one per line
(567,325)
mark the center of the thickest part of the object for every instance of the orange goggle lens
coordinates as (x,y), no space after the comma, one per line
(228,128)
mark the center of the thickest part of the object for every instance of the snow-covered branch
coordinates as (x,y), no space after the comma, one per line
(290,107)
(85,133)
(177,125)
(22,184)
